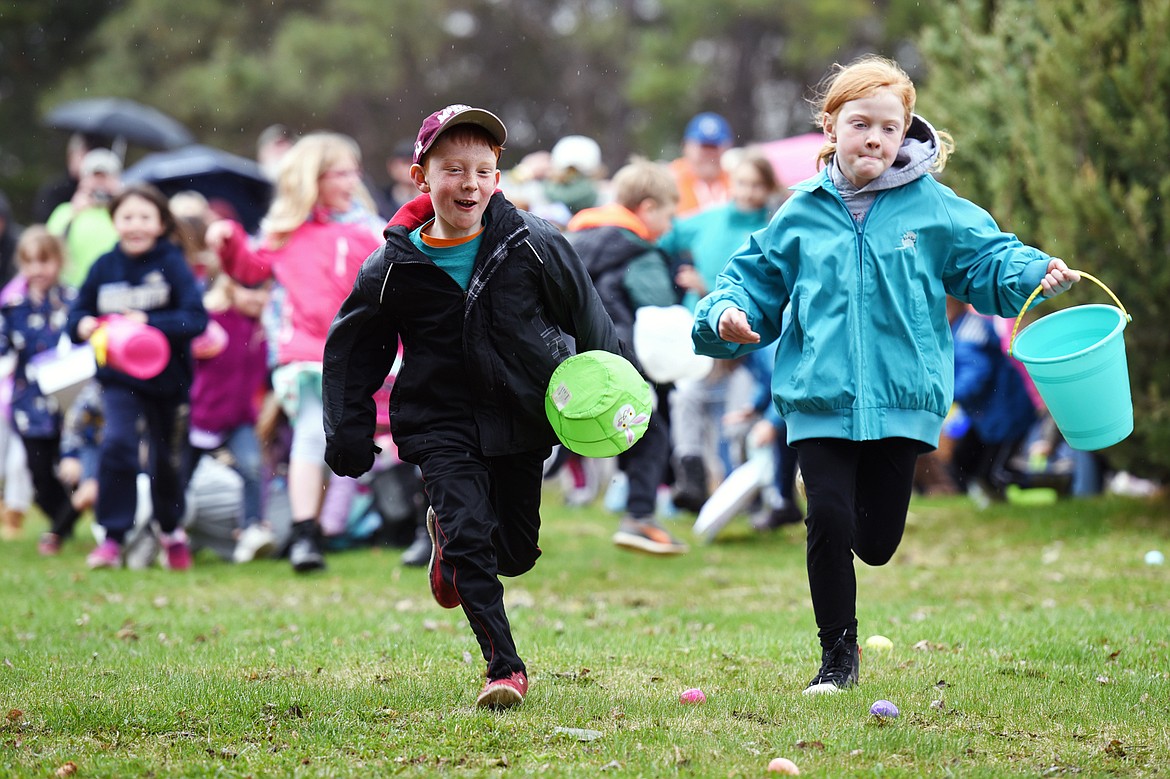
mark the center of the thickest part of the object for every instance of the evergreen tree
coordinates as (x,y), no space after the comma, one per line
(1061,114)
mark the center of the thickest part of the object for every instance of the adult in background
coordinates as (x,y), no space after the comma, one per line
(699,172)
(85,222)
(60,189)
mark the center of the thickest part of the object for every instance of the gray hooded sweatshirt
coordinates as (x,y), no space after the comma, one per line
(918,152)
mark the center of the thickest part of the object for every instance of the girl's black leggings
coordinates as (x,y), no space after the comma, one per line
(43,455)
(858,494)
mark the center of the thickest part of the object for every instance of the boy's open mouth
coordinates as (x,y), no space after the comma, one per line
(465,203)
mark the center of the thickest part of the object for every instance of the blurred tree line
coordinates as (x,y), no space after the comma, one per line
(1060,108)
(1061,114)
(629,73)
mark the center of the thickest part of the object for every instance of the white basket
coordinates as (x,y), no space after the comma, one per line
(62,372)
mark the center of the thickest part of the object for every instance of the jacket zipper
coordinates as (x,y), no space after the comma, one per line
(855,326)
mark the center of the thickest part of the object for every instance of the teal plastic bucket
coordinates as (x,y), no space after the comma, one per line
(1076,358)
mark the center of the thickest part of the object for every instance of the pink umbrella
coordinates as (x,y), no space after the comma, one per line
(795,158)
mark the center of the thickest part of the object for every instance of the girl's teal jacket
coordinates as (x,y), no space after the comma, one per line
(868,353)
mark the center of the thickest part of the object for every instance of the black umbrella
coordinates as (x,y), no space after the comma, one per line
(214,173)
(119,118)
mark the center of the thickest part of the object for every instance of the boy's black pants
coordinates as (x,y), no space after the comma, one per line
(488,524)
(644,465)
(858,495)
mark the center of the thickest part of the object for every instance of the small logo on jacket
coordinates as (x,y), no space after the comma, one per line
(909,239)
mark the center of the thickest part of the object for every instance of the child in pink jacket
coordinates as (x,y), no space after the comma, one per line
(319,229)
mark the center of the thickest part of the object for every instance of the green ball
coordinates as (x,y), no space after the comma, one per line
(598,404)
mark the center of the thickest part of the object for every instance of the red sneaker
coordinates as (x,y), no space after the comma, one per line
(177,551)
(503,693)
(445,594)
(49,544)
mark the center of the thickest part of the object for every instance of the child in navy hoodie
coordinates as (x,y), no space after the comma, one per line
(144,278)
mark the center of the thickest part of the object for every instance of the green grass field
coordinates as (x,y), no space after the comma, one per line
(1028,641)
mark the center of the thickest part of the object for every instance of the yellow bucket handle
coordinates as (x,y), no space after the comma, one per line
(1040,288)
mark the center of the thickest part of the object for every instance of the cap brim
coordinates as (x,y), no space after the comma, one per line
(485,119)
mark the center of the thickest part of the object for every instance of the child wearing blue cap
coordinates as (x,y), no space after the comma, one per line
(480,294)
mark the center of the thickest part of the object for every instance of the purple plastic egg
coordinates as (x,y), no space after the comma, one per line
(883,709)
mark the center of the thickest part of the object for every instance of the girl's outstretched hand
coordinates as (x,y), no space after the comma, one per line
(217,234)
(733,327)
(1059,278)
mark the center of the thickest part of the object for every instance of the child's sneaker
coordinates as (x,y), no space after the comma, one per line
(49,545)
(777,516)
(445,594)
(11,522)
(503,693)
(646,535)
(107,554)
(255,541)
(177,551)
(418,553)
(305,553)
(840,667)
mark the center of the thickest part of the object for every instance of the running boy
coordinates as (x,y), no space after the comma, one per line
(865,253)
(479,293)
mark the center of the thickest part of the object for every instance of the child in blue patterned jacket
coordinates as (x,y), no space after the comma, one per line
(32,322)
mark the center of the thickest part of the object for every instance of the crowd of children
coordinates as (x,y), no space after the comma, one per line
(130,446)
(636,253)
(466,303)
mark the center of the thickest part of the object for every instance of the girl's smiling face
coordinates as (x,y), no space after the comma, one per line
(41,271)
(868,133)
(460,176)
(337,184)
(748,188)
(139,225)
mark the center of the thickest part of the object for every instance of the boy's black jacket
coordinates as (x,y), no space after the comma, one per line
(475,365)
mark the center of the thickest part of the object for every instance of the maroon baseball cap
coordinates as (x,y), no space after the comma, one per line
(446,118)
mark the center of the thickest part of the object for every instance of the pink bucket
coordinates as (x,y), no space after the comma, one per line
(134,348)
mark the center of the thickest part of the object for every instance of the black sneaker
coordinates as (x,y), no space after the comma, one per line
(305,552)
(840,667)
(418,553)
(690,487)
(773,518)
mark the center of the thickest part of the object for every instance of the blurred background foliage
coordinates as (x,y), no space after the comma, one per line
(629,73)
(1061,113)
(1060,108)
